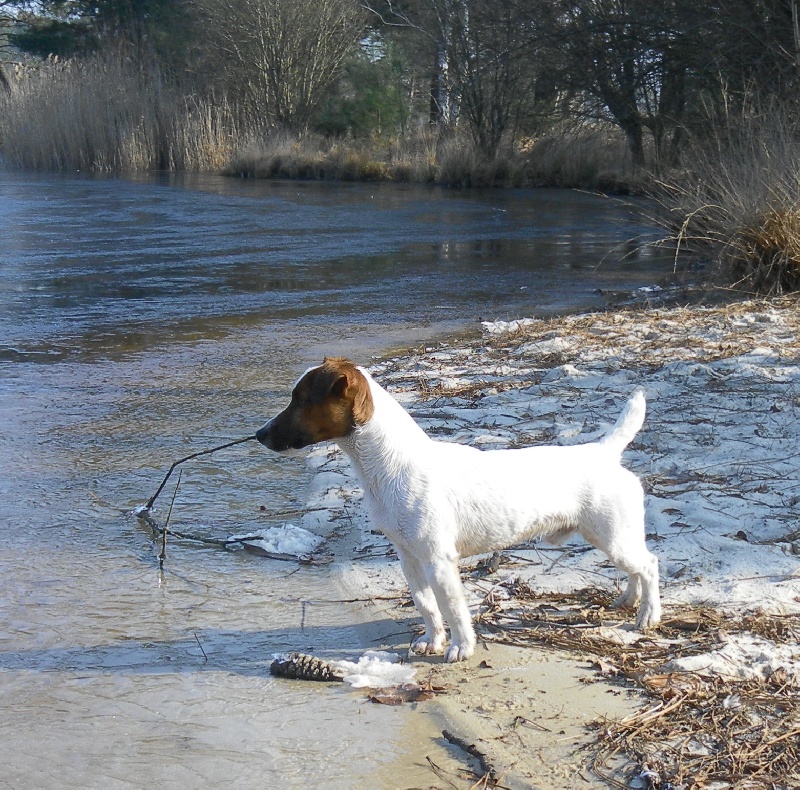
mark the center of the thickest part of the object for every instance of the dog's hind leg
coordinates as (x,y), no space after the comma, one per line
(432,641)
(630,597)
(650,608)
(619,532)
(641,566)
(642,569)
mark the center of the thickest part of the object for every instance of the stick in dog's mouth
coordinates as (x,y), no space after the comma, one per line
(152,499)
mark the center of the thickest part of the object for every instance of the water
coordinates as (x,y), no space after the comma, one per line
(141,320)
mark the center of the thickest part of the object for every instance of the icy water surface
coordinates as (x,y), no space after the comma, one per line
(143,320)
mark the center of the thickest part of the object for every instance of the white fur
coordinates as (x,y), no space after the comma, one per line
(439,501)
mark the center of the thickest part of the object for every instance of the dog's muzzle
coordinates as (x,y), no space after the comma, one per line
(279,437)
(264,435)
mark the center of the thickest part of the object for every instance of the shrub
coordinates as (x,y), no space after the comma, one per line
(582,157)
(419,158)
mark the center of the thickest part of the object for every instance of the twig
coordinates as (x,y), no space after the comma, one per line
(439,772)
(470,748)
(152,499)
(158,531)
(163,555)
(196,639)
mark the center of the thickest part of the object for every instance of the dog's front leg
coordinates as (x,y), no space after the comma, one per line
(444,579)
(432,641)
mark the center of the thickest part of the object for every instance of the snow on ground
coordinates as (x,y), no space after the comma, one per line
(742,657)
(718,453)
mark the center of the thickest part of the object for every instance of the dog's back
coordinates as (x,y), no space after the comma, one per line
(502,497)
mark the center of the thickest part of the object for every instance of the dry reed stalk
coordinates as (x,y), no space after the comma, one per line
(737,202)
(110,112)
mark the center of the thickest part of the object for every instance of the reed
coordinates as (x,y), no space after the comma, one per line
(737,202)
(110,112)
(117,111)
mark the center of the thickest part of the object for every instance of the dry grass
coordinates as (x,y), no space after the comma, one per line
(595,158)
(738,202)
(424,157)
(696,730)
(658,336)
(116,111)
(632,337)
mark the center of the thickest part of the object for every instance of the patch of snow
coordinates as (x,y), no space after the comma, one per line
(556,345)
(507,327)
(286,539)
(564,372)
(376,669)
(743,657)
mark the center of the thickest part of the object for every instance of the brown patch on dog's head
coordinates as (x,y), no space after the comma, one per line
(348,384)
(328,402)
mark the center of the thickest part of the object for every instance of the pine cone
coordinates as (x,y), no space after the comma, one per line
(304,667)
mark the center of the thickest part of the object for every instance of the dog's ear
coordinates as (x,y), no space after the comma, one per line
(363,407)
(339,386)
(346,381)
(325,381)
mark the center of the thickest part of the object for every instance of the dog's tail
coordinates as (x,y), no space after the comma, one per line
(628,424)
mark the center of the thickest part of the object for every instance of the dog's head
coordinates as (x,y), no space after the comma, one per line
(328,402)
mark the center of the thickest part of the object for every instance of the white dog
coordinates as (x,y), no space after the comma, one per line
(440,501)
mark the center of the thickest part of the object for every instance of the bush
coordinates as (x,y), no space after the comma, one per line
(583,157)
(420,158)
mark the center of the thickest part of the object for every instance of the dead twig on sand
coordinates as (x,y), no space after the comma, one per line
(489,773)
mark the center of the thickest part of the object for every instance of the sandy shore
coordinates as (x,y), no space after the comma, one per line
(720,461)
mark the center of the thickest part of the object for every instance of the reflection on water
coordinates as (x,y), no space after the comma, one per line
(172,315)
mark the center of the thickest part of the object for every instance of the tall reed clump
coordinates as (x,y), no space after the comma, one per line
(737,201)
(110,112)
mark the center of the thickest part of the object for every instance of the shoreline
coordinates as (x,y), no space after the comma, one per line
(719,461)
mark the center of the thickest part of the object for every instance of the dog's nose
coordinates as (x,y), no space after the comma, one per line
(263,433)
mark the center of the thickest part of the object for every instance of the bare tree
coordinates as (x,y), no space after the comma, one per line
(636,62)
(495,49)
(485,64)
(281,57)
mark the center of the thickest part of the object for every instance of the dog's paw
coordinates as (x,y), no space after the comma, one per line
(628,600)
(427,645)
(459,652)
(649,616)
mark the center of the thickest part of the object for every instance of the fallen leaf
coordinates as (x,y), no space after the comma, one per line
(397,695)
(605,667)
